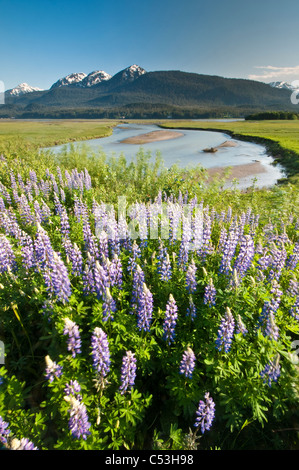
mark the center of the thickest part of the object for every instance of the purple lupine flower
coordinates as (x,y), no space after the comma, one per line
(101,281)
(88,279)
(76,260)
(37,211)
(183,256)
(13,180)
(44,252)
(45,187)
(4,431)
(187,364)
(62,195)
(205,413)
(5,193)
(293,259)
(100,352)
(2,205)
(74,341)
(109,305)
(267,317)
(112,232)
(271,372)
(191,282)
(10,224)
(210,294)
(22,444)
(67,245)
(60,284)
(32,176)
(116,265)
(170,319)
(294,310)
(229,249)
(115,272)
(79,424)
(73,388)
(279,257)
(103,245)
(27,216)
(53,370)
(245,256)
(87,180)
(7,257)
(271,329)
(174,216)
(197,230)
(45,212)
(240,327)
(225,332)
(27,251)
(163,265)
(144,309)
(222,239)
(64,222)
(191,310)
(293,288)
(128,372)
(21,182)
(136,253)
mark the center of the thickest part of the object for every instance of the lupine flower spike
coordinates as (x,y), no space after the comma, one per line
(205,413)
(74,340)
(53,370)
(187,364)
(170,320)
(128,372)
(225,332)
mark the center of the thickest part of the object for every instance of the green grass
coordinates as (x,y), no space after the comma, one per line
(286,133)
(49,133)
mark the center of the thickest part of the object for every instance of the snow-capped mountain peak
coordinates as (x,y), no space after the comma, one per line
(284,85)
(132,72)
(72,79)
(22,89)
(93,78)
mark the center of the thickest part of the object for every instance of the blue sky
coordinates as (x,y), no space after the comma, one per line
(41,41)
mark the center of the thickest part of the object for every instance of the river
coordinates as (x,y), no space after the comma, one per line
(188,151)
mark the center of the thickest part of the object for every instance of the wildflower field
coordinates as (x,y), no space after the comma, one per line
(161,318)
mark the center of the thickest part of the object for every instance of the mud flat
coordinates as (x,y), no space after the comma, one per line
(154,136)
(237,171)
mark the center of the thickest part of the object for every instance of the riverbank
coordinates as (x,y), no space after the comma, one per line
(280,138)
(40,134)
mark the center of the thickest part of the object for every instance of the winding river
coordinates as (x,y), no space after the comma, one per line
(186,149)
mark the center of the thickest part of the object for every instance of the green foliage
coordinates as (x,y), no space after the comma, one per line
(272,115)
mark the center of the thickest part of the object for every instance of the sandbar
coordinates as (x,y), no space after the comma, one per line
(237,171)
(154,136)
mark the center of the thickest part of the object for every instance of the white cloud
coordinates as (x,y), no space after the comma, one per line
(271,74)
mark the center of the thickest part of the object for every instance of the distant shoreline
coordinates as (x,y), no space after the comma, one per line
(154,136)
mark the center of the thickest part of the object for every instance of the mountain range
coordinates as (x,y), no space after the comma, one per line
(134,87)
